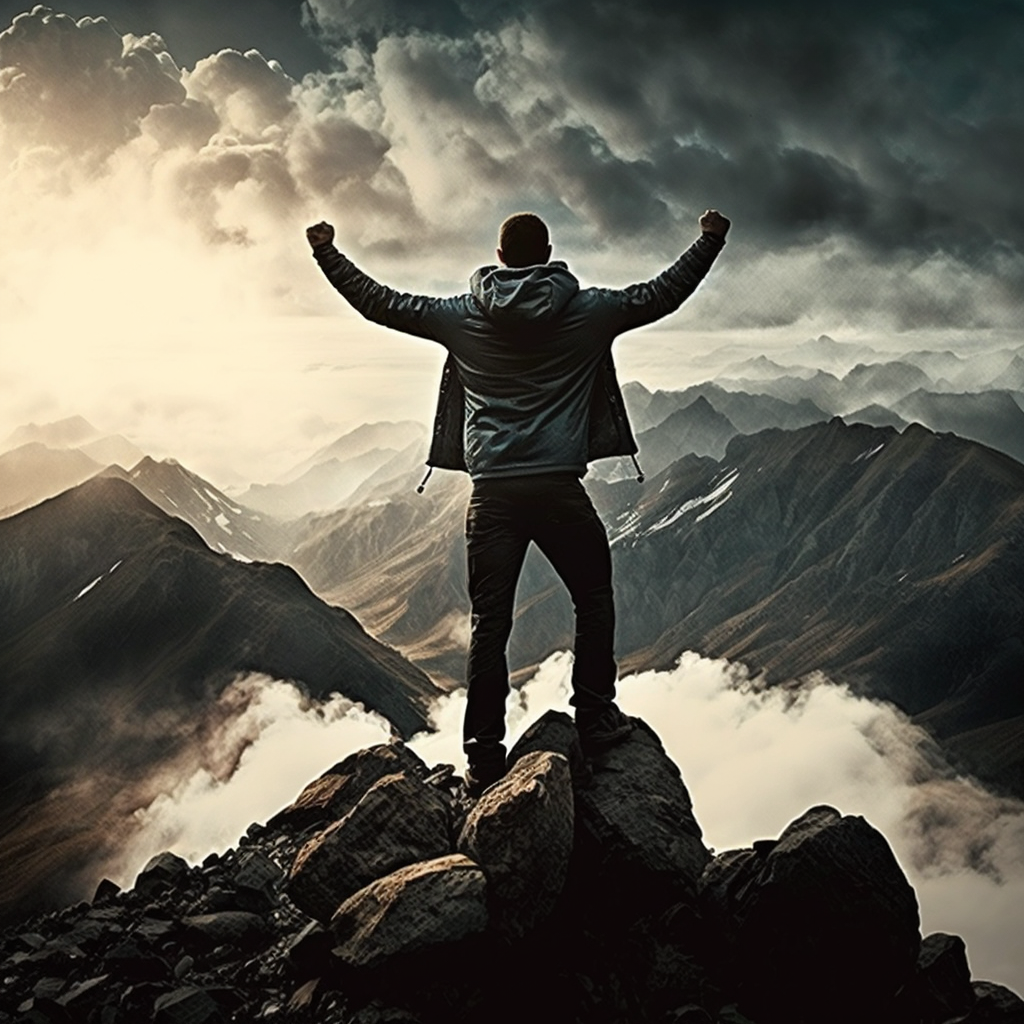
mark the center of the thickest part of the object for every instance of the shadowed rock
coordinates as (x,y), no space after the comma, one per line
(995,1004)
(637,830)
(554,731)
(427,904)
(943,983)
(521,833)
(164,870)
(821,922)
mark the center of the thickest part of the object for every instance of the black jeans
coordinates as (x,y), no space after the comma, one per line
(505,514)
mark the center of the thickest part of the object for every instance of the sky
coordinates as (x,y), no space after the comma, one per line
(160,161)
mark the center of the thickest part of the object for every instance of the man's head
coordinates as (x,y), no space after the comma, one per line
(523,241)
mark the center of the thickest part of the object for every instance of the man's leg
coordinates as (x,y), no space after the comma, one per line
(495,548)
(573,538)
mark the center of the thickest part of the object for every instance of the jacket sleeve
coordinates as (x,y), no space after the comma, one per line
(412,314)
(648,301)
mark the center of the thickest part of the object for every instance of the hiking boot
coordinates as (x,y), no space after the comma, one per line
(601,729)
(481,777)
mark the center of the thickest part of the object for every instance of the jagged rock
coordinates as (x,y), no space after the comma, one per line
(130,961)
(256,880)
(943,983)
(823,917)
(995,1004)
(84,996)
(235,928)
(340,788)
(398,821)
(309,952)
(161,872)
(521,833)
(639,841)
(105,890)
(431,903)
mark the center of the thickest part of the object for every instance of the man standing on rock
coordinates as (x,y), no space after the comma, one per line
(529,397)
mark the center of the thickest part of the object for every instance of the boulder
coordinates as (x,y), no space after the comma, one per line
(819,924)
(164,871)
(554,731)
(994,1004)
(187,1005)
(236,928)
(638,839)
(340,788)
(256,880)
(400,820)
(428,904)
(943,984)
(521,833)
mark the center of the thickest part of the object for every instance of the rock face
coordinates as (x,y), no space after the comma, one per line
(573,890)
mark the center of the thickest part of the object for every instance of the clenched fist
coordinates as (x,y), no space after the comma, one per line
(320,233)
(714,223)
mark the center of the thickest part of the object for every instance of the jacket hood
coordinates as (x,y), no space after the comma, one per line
(520,294)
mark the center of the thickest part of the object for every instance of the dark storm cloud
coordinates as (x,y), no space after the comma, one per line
(194,29)
(854,146)
(899,126)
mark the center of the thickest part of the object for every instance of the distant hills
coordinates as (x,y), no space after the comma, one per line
(340,473)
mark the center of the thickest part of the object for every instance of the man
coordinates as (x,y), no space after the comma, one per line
(529,397)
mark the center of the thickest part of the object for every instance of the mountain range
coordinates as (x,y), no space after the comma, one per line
(875,551)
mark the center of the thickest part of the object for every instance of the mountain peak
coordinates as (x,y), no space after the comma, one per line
(589,878)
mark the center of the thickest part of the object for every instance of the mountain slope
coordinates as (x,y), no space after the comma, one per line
(891,562)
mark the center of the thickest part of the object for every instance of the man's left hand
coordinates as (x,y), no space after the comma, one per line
(320,233)
(714,223)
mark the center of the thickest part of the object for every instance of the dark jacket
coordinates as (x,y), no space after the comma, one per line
(529,384)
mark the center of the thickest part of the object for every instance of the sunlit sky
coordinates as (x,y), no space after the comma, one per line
(160,161)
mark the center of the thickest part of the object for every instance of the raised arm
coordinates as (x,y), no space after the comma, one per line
(651,300)
(411,314)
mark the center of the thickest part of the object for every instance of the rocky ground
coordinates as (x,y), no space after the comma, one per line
(570,892)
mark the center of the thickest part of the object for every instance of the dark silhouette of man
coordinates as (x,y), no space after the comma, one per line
(528,398)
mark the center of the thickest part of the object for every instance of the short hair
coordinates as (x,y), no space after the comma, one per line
(523,240)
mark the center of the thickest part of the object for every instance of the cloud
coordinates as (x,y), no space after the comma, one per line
(263,742)
(77,87)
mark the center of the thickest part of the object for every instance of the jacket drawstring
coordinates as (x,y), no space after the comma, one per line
(639,472)
(423,482)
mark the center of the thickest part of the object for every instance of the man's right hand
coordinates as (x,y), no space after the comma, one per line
(714,223)
(320,233)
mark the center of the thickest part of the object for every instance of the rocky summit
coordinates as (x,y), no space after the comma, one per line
(570,891)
